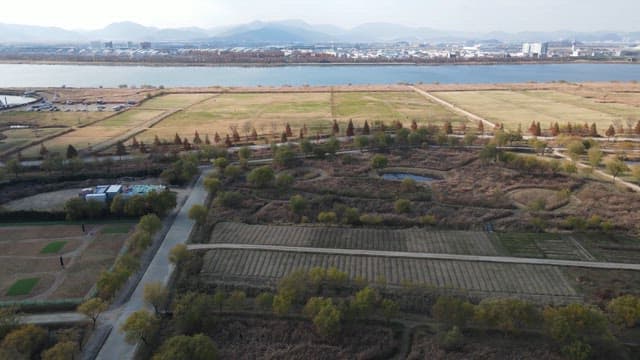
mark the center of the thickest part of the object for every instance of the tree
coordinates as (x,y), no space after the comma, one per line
(191,312)
(139,326)
(366,130)
(178,254)
(206,139)
(507,315)
(261,177)
(244,153)
(120,149)
(314,305)
(481,127)
(327,321)
(264,301)
(611,131)
(327,217)
(595,156)
(221,163)
(402,206)
(379,162)
(14,166)
(182,347)
(616,167)
(575,149)
(364,302)
(297,204)
(281,304)
(575,322)
(43,150)
(150,223)
(198,213)
(389,309)
(284,181)
(8,320)
(452,311)
(196,138)
(284,157)
(335,128)
(177,140)
(92,308)
(448,128)
(593,131)
(71,152)
(156,295)
(236,300)
(51,163)
(75,208)
(212,184)
(350,129)
(63,350)
(625,310)
(26,340)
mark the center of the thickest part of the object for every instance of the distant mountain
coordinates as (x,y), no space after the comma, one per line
(285,32)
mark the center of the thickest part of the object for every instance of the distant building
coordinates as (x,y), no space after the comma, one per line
(535,50)
(145,45)
(108,45)
(96,45)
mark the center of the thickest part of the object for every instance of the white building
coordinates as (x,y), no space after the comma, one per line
(536,50)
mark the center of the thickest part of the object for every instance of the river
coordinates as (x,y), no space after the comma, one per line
(28,75)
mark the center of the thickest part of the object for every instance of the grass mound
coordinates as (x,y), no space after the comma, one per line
(116,229)
(22,287)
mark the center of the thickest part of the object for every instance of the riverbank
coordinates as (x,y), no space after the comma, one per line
(153,63)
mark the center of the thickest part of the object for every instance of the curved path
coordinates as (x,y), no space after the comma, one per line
(415,255)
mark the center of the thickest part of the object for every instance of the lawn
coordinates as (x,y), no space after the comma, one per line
(22,287)
(116,229)
(53,247)
(513,108)
(19,137)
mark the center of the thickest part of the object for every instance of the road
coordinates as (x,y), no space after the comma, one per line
(160,269)
(68,318)
(415,255)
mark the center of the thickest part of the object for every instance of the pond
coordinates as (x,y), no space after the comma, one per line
(402,176)
(12,100)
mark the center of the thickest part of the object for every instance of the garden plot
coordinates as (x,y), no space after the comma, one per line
(545,283)
(30,259)
(542,245)
(406,240)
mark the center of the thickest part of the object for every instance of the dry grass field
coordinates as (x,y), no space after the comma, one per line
(32,253)
(100,132)
(268,113)
(46,119)
(21,137)
(514,108)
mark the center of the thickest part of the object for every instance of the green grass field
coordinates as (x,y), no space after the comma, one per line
(22,287)
(513,108)
(116,229)
(53,247)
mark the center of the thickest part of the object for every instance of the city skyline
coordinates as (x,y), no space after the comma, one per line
(459,15)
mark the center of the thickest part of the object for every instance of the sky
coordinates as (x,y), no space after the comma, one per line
(463,15)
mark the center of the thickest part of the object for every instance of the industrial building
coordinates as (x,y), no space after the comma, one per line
(106,193)
(535,50)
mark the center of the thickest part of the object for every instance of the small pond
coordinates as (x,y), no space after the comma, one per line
(402,176)
(12,100)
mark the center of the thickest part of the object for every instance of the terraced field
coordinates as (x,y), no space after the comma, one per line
(549,246)
(406,240)
(536,282)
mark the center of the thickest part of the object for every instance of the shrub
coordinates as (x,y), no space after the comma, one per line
(327,217)
(261,177)
(284,181)
(370,219)
(408,185)
(625,310)
(212,184)
(264,301)
(451,340)
(351,216)
(284,157)
(507,315)
(452,311)
(379,162)
(297,204)
(232,172)
(229,199)
(429,220)
(402,206)
(197,347)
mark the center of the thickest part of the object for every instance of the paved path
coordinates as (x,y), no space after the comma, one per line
(160,269)
(68,318)
(416,255)
(449,105)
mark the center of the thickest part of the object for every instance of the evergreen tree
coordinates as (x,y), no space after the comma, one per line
(216,138)
(594,131)
(254,134)
(134,143)
(350,130)
(43,150)
(366,130)
(414,125)
(481,127)
(196,138)
(206,139)
(177,140)
(71,152)
(611,132)
(156,141)
(288,131)
(335,128)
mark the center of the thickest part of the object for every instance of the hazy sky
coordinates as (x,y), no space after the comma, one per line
(466,15)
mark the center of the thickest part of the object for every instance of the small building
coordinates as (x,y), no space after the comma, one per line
(96,197)
(113,191)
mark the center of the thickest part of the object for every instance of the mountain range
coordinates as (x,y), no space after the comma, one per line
(285,32)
